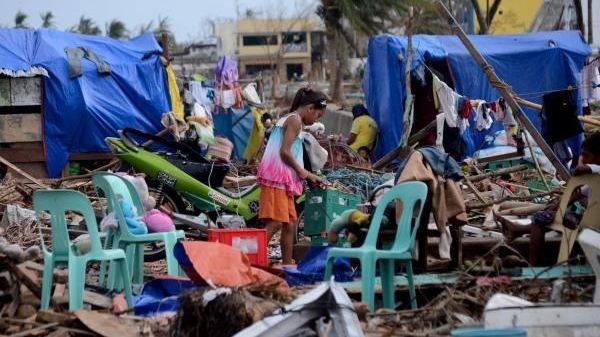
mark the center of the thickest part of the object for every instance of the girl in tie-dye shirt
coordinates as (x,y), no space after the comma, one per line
(281,171)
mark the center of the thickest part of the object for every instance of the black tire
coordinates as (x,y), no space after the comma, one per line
(155,251)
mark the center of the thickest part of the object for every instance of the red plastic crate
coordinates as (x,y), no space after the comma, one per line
(251,241)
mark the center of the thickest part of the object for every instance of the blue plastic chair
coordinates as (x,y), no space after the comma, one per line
(115,187)
(413,195)
(56,203)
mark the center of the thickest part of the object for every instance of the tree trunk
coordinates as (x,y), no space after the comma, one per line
(579,13)
(492,12)
(342,64)
(590,33)
(483,28)
(332,63)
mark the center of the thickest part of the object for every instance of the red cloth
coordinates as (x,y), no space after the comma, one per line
(465,111)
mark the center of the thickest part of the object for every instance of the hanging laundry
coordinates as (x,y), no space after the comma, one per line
(465,107)
(176,104)
(446,101)
(559,116)
(440,119)
(483,118)
(590,83)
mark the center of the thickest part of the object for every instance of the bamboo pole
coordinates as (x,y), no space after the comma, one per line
(505,90)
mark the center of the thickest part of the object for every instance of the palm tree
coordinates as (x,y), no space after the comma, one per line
(164,27)
(362,16)
(20,19)
(116,29)
(47,19)
(145,27)
(86,26)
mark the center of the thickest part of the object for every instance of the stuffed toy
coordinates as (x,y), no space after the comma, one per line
(135,225)
(158,221)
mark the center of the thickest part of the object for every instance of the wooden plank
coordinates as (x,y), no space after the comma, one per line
(20,128)
(35,331)
(90,156)
(97,299)
(23,155)
(106,325)
(4,91)
(22,173)
(26,91)
(47,316)
(506,91)
(497,173)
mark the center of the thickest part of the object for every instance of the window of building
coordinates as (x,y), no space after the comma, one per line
(294,37)
(294,42)
(253,69)
(295,71)
(259,40)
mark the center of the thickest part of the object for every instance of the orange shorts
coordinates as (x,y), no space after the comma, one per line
(276,204)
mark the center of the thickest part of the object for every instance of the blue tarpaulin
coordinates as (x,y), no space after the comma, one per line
(531,63)
(80,112)
(161,295)
(236,125)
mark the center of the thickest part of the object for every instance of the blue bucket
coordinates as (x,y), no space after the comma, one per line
(483,332)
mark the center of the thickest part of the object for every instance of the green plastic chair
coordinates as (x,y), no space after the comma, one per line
(413,195)
(56,203)
(113,187)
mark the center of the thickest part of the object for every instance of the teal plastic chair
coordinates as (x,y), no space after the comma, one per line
(113,187)
(56,203)
(413,195)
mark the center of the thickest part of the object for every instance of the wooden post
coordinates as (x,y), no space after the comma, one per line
(409,101)
(505,90)
(396,151)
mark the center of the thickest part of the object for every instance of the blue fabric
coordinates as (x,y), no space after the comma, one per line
(521,60)
(440,162)
(160,295)
(79,113)
(236,125)
(312,268)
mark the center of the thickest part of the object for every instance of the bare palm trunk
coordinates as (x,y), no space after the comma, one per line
(335,82)
(579,13)
(590,23)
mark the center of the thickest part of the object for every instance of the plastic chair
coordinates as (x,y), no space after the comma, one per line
(591,216)
(114,187)
(56,203)
(412,194)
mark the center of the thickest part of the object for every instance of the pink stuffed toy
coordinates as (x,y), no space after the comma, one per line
(157,221)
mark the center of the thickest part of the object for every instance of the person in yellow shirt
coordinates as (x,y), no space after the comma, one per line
(364,129)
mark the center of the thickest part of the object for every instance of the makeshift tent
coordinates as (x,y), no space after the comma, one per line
(530,63)
(80,112)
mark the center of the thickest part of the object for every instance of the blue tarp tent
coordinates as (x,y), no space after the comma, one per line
(80,112)
(530,63)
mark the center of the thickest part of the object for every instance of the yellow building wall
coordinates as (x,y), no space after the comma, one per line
(513,16)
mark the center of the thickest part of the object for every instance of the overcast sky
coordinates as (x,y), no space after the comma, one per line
(188,18)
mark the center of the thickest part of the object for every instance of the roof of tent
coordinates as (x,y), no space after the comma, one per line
(530,63)
(80,112)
